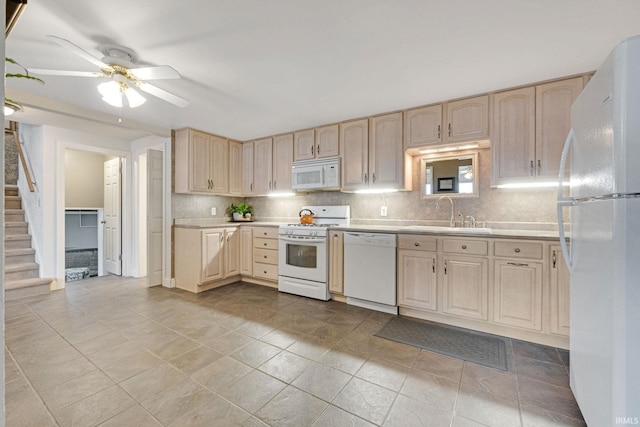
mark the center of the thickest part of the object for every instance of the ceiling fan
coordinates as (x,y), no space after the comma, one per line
(123,77)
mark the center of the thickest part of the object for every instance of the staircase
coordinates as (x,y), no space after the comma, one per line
(21,272)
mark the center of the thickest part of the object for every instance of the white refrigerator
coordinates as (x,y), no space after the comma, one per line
(603,151)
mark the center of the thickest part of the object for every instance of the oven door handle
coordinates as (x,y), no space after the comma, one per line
(305,240)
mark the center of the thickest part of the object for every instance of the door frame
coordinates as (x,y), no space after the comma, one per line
(127,223)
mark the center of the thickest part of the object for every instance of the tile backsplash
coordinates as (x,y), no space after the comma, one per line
(495,208)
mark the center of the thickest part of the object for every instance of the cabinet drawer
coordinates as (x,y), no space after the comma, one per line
(265,256)
(462,246)
(262,243)
(266,232)
(416,242)
(265,271)
(519,249)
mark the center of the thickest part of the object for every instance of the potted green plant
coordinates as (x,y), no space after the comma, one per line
(240,211)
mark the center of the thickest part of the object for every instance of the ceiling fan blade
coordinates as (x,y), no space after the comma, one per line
(155,73)
(65,73)
(163,94)
(78,51)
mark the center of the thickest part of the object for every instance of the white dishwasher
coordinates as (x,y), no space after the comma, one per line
(370,271)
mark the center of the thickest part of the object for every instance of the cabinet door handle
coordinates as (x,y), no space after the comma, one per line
(554,258)
(539,167)
(449,129)
(531,168)
(517,250)
(438,131)
(318,150)
(518,264)
(274,184)
(445,266)
(221,238)
(365,178)
(374,177)
(312,150)
(433,265)
(251,187)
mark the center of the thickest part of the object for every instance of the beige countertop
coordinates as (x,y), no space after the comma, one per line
(495,232)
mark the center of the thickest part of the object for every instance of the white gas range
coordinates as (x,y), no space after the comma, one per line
(304,252)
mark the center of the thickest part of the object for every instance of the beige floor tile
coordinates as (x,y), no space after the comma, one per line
(534,351)
(131,366)
(556,399)
(493,381)
(437,364)
(195,359)
(176,401)
(207,333)
(47,375)
(407,412)
(395,352)
(135,416)
(359,343)
(284,409)
(478,405)
(333,416)
(253,391)
(119,351)
(95,409)
(542,371)
(83,333)
(255,354)
(321,381)
(144,385)
(383,373)
(343,360)
(366,400)
(216,412)
(221,373)
(310,347)
(282,338)
(285,366)
(228,343)
(255,329)
(106,341)
(459,421)
(23,408)
(36,359)
(538,417)
(75,390)
(171,349)
(433,391)
(32,339)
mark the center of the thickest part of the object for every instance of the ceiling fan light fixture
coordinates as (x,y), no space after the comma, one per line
(11,107)
(111,93)
(134,98)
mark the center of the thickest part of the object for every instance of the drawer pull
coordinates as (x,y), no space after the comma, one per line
(518,264)
(265,244)
(265,271)
(554,259)
(433,265)
(464,246)
(445,266)
(517,250)
(416,244)
(265,233)
(265,257)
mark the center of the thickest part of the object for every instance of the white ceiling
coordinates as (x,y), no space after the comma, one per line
(253,68)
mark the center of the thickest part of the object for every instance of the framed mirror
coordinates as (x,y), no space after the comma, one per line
(453,174)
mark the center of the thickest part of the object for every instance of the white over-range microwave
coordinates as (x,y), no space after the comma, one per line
(320,174)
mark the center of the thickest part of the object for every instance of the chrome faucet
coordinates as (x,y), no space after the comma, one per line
(472,221)
(452,219)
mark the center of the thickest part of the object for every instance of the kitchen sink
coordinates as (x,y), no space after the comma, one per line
(457,230)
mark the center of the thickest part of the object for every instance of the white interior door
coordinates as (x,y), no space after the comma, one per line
(155,208)
(112,218)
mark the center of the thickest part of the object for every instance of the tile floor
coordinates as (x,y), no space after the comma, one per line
(108,351)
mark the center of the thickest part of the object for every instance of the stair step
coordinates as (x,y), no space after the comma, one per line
(11,190)
(26,270)
(17,241)
(17,227)
(11,215)
(16,289)
(19,256)
(12,202)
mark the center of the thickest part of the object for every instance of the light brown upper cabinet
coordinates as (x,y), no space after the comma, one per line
(201,162)
(373,156)
(235,168)
(316,143)
(267,165)
(456,121)
(529,129)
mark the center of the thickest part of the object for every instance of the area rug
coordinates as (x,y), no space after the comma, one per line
(487,350)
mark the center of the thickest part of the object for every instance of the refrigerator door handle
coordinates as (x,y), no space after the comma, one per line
(562,200)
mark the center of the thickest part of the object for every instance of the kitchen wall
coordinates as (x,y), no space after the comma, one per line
(497,208)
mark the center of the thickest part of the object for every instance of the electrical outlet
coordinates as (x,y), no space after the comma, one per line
(383,211)
(214,211)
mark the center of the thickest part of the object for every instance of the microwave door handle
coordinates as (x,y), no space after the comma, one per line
(322,175)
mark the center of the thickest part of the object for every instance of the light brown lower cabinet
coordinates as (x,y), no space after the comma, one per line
(518,293)
(417,279)
(465,286)
(336,262)
(246,251)
(206,258)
